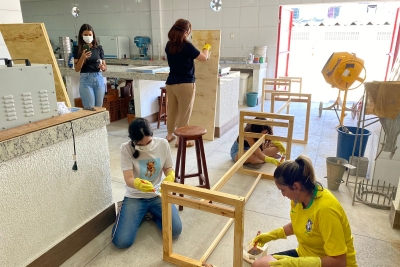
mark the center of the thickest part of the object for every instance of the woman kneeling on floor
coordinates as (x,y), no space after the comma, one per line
(317,220)
(143,160)
(267,152)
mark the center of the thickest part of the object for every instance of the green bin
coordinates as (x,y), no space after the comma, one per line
(251,98)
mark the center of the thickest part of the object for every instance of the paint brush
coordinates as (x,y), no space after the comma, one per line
(254,250)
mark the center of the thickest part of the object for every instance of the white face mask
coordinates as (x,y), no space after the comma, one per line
(88,39)
(147,147)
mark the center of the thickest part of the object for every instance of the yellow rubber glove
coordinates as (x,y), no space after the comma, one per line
(143,185)
(286,261)
(207,47)
(170,176)
(279,145)
(263,238)
(271,160)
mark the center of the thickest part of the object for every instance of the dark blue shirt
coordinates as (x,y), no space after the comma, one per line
(181,64)
(92,64)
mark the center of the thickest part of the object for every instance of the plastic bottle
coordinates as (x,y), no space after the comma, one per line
(71,61)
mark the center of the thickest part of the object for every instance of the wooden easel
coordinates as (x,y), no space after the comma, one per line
(30,41)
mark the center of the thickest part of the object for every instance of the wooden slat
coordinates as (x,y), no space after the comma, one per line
(256,174)
(61,252)
(30,41)
(267,115)
(268,122)
(216,240)
(39,125)
(202,193)
(238,237)
(166,225)
(203,206)
(204,108)
(182,261)
(242,159)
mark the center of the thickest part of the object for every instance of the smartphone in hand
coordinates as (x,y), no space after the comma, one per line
(86,47)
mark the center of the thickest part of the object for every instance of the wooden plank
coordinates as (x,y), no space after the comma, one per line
(61,252)
(182,261)
(166,225)
(216,241)
(203,206)
(225,178)
(268,122)
(202,193)
(38,125)
(30,41)
(204,108)
(256,174)
(238,237)
(267,115)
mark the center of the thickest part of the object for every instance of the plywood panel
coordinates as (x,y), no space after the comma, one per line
(204,108)
(30,40)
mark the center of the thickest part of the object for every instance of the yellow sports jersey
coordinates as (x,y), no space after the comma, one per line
(322,228)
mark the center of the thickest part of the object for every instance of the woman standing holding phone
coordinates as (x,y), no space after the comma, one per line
(89,61)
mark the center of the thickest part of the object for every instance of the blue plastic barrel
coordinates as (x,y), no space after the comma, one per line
(346,141)
(251,99)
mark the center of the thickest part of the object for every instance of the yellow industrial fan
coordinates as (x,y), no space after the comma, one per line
(346,72)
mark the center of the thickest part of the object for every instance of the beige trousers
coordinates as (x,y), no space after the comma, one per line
(180,105)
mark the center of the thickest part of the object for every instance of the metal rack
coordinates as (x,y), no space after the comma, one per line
(365,192)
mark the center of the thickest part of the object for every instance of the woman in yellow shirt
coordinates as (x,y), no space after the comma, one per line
(317,220)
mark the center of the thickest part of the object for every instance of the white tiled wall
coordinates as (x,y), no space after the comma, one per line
(108,17)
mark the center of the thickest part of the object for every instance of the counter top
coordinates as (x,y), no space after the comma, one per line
(223,63)
(120,72)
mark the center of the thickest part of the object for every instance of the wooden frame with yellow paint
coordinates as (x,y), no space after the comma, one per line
(233,206)
(276,83)
(289,98)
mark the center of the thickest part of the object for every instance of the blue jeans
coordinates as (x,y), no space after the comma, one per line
(92,89)
(235,150)
(131,215)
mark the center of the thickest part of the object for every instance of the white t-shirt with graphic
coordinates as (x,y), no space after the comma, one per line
(148,166)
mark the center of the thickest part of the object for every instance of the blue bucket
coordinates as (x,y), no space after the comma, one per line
(346,141)
(251,98)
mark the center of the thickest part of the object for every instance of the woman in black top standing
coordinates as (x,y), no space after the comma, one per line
(89,61)
(180,83)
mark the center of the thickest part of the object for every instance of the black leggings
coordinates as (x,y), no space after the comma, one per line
(290,253)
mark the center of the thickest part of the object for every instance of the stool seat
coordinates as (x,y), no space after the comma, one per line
(190,131)
(185,134)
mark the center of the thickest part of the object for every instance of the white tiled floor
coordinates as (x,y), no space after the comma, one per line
(377,244)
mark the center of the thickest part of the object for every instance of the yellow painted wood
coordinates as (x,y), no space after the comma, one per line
(204,108)
(30,41)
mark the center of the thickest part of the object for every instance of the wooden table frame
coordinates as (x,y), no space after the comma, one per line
(295,80)
(274,82)
(233,206)
(289,98)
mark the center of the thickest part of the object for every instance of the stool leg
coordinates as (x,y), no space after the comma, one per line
(182,147)
(199,165)
(159,112)
(204,164)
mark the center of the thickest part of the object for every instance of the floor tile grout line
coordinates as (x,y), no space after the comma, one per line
(98,254)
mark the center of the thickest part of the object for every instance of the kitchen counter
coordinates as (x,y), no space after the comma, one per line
(223,63)
(120,72)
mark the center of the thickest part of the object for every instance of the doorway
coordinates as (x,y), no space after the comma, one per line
(319,30)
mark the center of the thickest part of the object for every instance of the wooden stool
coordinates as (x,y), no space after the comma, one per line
(185,134)
(163,104)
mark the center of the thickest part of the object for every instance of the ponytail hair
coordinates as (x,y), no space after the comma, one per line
(299,170)
(138,129)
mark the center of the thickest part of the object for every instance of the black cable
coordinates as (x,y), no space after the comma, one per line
(74,167)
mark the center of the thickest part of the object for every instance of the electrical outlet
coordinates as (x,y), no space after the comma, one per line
(242,47)
(232,35)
